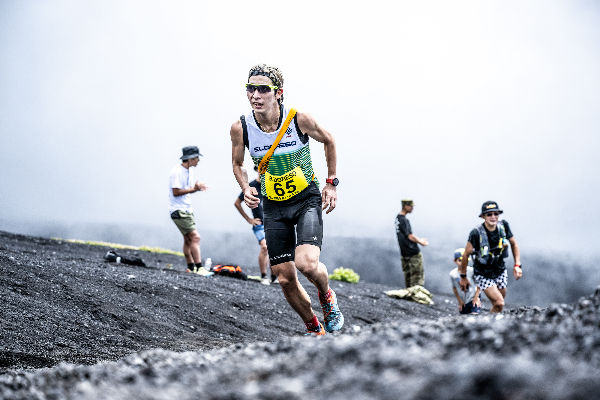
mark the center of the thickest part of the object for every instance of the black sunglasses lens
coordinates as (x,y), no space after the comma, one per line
(261,88)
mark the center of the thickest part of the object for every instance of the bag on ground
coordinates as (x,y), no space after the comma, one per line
(231,271)
(112,256)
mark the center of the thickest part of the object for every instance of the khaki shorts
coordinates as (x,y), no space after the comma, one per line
(185,222)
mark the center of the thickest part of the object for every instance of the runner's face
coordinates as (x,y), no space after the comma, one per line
(491,218)
(263,101)
(192,162)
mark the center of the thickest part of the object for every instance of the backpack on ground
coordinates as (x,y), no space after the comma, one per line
(231,271)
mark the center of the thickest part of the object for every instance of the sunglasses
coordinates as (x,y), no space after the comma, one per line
(492,214)
(250,88)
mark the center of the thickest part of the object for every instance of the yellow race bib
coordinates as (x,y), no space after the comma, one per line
(284,187)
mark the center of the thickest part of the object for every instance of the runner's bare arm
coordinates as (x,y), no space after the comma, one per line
(421,241)
(464,282)
(198,187)
(517,271)
(477,299)
(237,162)
(460,302)
(309,126)
(251,221)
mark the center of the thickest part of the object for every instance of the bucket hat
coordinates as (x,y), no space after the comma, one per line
(190,152)
(489,206)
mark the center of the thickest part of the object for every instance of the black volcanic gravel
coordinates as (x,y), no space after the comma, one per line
(150,337)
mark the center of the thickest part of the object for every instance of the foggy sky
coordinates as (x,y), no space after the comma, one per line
(448,103)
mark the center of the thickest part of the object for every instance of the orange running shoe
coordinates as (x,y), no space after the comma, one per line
(318,331)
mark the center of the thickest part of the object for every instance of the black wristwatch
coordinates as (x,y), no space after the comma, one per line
(463,275)
(334,181)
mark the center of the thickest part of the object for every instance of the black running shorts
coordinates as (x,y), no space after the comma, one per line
(303,211)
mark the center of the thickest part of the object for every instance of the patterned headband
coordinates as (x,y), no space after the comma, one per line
(272,73)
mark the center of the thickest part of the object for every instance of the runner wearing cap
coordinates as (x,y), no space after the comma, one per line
(180,207)
(412,260)
(259,230)
(489,244)
(292,201)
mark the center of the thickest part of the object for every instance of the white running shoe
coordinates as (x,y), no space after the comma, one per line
(202,272)
(275,281)
(265,281)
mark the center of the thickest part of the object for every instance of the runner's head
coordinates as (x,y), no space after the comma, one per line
(191,156)
(407,205)
(489,208)
(490,212)
(458,255)
(259,76)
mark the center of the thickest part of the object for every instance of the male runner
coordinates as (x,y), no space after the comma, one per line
(292,201)
(180,207)
(490,241)
(259,230)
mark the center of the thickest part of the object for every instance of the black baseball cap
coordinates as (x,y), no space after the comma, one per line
(489,206)
(190,152)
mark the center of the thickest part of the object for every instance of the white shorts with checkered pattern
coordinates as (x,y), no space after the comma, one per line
(501,282)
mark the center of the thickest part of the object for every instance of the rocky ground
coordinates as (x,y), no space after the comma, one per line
(74,326)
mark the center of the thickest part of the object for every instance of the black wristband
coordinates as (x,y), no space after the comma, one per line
(463,275)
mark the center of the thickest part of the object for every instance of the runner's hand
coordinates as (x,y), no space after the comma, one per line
(424,242)
(250,197)
(255,221)
(201,186)
(464,284)
(477,302)
(461,304)
(517,272)
(329,197)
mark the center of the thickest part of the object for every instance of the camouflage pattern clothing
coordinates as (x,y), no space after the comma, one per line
(413,270)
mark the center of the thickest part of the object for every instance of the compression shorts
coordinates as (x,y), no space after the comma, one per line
(299,215)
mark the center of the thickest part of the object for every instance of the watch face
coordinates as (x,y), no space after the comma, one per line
(335,181)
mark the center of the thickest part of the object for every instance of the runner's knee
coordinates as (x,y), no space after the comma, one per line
(194,237)
(307,263)
(288,282)
(263,247)
(498,303)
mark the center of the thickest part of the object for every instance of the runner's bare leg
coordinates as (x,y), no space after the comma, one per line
(496,297)
(263,257)
(293,291)
(307,262)
(191,247)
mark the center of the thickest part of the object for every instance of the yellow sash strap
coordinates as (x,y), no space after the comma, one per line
(264,163)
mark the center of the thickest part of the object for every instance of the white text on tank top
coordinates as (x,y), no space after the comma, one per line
(290,154)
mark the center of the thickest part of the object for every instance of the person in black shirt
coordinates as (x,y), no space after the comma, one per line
(489,242)
(259,230)
(412,260)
